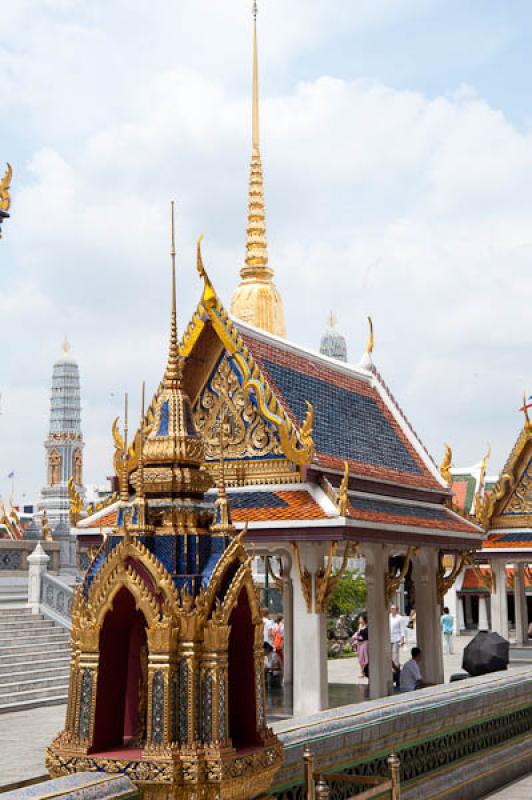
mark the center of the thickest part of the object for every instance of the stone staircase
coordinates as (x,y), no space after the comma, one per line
(34,661)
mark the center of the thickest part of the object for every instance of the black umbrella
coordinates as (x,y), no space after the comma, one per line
(487,652)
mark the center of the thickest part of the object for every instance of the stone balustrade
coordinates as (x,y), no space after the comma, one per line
(14,556)
(447,737)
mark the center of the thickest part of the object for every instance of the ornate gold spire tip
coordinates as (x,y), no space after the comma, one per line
(256,299)
(66,345)
(173,367)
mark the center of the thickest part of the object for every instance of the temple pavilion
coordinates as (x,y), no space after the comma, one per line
(321,464)
(496,590)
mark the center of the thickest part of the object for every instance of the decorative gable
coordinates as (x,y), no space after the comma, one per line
(247,435)
(510,504)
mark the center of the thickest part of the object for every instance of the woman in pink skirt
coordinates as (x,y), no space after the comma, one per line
(361,638)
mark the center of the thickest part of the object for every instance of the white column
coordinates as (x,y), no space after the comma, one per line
(429,637)
(483,623)
(309,640)
(499,600)
(288,615)
(521,611)
(38,564)
(460,616)
(380,651)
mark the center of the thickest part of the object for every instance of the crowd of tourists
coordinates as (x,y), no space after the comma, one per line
(273,647)
(407,677)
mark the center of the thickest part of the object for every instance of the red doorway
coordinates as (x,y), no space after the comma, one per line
(120,696)
(242,692)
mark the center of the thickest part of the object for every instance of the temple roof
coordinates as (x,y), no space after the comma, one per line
(355,418)
(305,509)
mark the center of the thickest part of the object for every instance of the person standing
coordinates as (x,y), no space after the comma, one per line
(447,626)
(268,626)
(397,634)
(361,638)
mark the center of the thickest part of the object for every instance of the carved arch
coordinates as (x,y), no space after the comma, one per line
(115,567)
(125,578)
(54,467)
(242,580)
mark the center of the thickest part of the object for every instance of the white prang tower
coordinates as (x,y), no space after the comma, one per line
(64,445)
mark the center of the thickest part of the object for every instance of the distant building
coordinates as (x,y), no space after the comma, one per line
(64,444)
(332,342)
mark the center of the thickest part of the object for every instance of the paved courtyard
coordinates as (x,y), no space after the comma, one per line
(26,734)
(519,790)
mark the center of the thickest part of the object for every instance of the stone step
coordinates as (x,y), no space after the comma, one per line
(36,666)
(25,624)
(29,649)
(37,657)
(12,688)
(18,612)
(23,705)
(35,672)
(39,637)
(25,663)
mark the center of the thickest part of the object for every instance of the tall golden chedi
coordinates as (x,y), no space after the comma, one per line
(167,676)
(256,299)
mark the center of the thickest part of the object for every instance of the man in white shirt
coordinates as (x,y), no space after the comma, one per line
(269,625)
(397,634)
(411,677)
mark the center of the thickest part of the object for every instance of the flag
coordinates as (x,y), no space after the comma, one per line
(11,475)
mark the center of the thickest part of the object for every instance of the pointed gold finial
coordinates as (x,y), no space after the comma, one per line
(256,299)
(331,320)
(371,340)
(524,409)
(445,468)
(479,497)
(66,345)
(124,490)
(5,183)
(172,375)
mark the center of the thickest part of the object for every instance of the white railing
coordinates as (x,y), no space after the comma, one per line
(56,600)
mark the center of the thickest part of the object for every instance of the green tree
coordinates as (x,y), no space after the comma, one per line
(349,595)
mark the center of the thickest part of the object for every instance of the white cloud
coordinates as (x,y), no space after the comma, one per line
(415,209)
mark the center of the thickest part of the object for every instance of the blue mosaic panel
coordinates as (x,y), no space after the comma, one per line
(157,708)
(163,423)
(164,549)
(221,706)
(183,701)
(397,509)
(10,559)
(85,705)
(206,707)
(346,425)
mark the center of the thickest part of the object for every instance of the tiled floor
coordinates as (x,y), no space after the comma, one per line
(25,736)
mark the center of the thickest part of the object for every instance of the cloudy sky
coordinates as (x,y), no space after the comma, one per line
(397,148)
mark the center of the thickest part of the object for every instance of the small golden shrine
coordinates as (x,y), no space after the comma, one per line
(167,675)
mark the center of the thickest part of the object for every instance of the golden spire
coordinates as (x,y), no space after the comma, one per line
(66,345)
(172,376)
(124,490)
(256,299)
